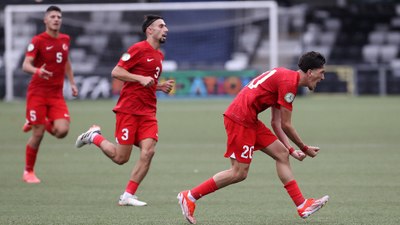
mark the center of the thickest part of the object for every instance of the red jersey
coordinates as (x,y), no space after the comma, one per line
(141,59)
(277,87)
(53,52)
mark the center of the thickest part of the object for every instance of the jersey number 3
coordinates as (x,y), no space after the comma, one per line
(260,79)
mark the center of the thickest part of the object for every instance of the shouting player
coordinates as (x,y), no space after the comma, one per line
(136,123)
(47,59)
(275,89)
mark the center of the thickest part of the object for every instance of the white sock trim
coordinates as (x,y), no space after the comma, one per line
(190,196)
(92,137)
(126,195)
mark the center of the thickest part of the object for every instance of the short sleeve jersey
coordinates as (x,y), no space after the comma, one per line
(53,52)
(277,87)
(141,59)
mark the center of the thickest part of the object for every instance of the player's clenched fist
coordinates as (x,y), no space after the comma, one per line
(146,81)
(311,151)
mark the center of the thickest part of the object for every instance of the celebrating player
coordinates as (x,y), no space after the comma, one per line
(275,89)
(136,123)
(47,59)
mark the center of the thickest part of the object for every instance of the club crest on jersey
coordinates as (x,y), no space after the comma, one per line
(65,47)
(125,57)
(30,47)
(289,97)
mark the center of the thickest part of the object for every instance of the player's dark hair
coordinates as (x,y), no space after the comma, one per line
(148,20)
(311,60)
(53,8)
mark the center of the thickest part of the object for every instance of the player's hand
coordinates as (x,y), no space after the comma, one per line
(167,86)
(43,73)
(74,90)
(312,151)
(147,81)
(299,155)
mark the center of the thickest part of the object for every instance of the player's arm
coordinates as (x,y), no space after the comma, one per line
(122,74)
(276,126)
(28,67)
(166,86)
(287,127)
(70,75)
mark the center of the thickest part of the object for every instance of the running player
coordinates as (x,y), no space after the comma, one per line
(136,124)
(275,89)
(47,60)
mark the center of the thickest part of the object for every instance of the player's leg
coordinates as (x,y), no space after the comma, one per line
(58,119)
(240,146)
(118,153)
(58,128)
(35,116)
(305,207)
(146,137)
(237,173)
(139,172)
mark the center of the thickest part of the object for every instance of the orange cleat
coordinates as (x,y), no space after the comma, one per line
(311,206)
(30,177)
(27,127)
(187,206)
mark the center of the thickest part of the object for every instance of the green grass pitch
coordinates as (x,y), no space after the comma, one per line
(358,167)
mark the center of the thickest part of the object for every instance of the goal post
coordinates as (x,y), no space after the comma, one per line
(11,55)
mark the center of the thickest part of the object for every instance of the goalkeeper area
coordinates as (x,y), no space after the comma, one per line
(232,36)
(358,167)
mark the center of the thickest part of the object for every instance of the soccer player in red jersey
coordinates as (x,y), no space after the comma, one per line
(275,89)
(136,124)
(47,59)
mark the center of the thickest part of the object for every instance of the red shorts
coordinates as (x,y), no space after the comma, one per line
(39,108)
(131,129)
(243,141)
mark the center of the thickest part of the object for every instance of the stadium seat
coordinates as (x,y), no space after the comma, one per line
(393,37)
(377,37)
(370,53)
(388,52)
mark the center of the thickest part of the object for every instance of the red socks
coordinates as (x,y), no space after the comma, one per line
(131,187)
(203,189)
(98,139)
(30,158)
(294,192)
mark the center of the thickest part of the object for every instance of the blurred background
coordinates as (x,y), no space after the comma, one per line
(215,52)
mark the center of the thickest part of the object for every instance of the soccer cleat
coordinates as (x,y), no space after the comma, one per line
(187,206)
(130,201)
(30,177)
(311,206)
(27,127)
(86,137)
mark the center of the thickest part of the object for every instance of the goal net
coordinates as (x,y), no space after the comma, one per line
(203,36)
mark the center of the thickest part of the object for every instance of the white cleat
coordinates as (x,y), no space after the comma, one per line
(130,201)
(86,137)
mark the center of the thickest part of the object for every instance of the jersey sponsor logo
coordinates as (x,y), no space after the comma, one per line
(65,47)
(289,97)
(149,60)
(125,57)
(30,47)
(49,47)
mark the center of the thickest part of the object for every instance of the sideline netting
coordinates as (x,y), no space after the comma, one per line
(202,35)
